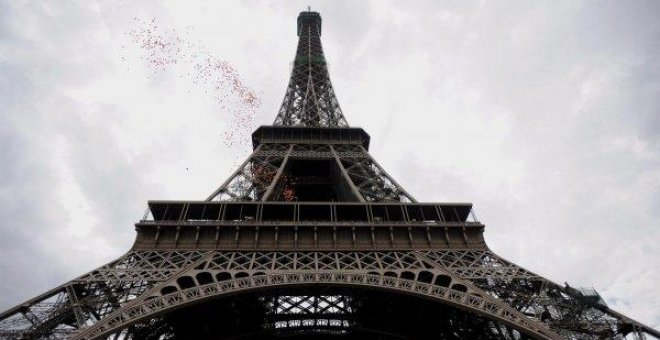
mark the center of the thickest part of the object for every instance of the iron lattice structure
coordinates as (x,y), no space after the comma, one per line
(310,237)
(310,99)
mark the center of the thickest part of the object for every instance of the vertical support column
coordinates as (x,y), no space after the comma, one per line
(224,185)
(344,173)
(412,199)
(75,305)
(273,183)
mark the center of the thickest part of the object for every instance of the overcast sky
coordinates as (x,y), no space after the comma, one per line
(545,115)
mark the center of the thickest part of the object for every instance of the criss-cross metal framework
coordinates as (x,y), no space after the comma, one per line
(310,99)
(310,237)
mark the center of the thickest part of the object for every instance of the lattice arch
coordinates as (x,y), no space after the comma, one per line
(457,296)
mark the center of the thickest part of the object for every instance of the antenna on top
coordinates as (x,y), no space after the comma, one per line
(309,8)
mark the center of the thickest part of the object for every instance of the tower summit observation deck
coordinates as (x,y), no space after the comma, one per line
(311,238)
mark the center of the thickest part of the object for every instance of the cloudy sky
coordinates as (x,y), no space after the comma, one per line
(545,115)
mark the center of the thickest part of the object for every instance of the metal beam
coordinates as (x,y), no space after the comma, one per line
(348,179)
(276,179)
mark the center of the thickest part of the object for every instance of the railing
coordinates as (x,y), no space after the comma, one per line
(265,213)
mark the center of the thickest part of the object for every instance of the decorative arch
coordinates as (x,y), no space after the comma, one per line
(137,311)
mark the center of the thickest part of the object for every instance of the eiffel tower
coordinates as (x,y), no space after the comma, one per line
(311,238)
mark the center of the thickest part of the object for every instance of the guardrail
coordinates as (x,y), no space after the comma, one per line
(308,212)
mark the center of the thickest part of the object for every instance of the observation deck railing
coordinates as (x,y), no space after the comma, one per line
(308,213)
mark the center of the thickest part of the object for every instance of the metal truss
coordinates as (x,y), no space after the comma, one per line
(160,304)
(143,285)
(286,314)
(264,175)
(374,184)
(84,301)
(253,178)
(309,99)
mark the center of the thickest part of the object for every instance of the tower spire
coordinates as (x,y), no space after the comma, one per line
(310,100)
